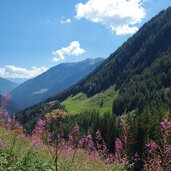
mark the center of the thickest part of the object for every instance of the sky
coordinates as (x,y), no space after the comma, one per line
(38,34)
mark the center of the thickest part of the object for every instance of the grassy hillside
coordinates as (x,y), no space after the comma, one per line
(101,102)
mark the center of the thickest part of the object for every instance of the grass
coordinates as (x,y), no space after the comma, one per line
(18,154)
(24,157)
(101,102)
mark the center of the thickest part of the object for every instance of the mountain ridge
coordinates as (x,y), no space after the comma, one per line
(7,85)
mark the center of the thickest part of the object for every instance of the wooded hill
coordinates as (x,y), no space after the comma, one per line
(139,69)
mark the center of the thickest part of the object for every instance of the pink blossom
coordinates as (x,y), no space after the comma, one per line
(165,125)
(110,158)
(122,120)
(6,97)
(118,145)
(98,136)
(151,145)
(41,123)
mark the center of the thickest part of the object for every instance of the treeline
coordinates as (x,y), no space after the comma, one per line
(29,117)
(143,127)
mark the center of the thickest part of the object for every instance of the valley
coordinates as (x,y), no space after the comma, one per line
(97,114)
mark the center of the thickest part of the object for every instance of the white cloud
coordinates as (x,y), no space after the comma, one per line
(73,49)
(11,71)
(120,16)
(65,21)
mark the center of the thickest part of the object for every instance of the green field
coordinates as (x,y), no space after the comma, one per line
(101,102)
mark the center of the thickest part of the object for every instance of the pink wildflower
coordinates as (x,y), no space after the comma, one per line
(6,97)
(151,145)
(165,125)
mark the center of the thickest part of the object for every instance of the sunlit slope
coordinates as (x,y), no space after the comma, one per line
(101,102)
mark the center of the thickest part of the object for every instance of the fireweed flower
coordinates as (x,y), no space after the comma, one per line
(90,143)
(118,146)
(98,136)
(41,123)
(87,143)
(151,145)
(18,129)
(159,156)
(6,97)
(8,123)
(119,152)
(168,148)
(165,125)
(36,141)
(76,129)
(36,138)
(82,142)
(122,121)
(73,137)
(100,145)
(59,138)
(110,158)
(4,119)
(62,143)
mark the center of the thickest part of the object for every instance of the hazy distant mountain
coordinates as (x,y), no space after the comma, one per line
(18,80)
(52,82)
(6,85)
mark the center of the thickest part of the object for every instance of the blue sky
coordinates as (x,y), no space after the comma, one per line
(36,33)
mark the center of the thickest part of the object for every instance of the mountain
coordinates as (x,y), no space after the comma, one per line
(6,85)
(52,82)
(137,76)
(140,71)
